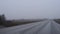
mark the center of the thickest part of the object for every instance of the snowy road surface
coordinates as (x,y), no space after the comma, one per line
(44,27)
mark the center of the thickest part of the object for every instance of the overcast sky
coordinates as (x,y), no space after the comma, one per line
(19,9)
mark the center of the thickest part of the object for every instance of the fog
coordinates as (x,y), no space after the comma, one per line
(30,9)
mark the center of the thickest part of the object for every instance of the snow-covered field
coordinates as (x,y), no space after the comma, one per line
(44,27)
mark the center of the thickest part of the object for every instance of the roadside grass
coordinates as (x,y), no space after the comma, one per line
(9,24)
(57,20)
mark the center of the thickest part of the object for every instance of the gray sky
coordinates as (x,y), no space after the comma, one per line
(18,9)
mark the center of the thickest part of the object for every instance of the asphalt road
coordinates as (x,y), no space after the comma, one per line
(44,27)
